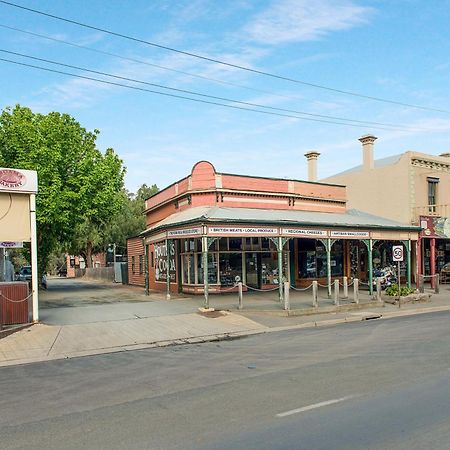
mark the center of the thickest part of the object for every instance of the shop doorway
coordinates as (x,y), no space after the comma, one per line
(253,269)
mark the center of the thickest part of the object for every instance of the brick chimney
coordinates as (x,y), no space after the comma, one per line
(367,145)
(312,164)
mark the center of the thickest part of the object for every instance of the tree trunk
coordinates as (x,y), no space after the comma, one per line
(89,255)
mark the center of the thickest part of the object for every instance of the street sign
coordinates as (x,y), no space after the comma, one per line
(397,253)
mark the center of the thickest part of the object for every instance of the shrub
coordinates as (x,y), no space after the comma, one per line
(393,290)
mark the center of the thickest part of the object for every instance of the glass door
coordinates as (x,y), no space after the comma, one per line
(252,269)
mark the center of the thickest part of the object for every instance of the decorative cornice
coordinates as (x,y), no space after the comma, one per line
(429,164)
(290,197)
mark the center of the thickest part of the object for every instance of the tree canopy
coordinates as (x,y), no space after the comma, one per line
(130,221)
(80,188)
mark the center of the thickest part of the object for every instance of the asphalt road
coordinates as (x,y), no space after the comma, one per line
(371,385)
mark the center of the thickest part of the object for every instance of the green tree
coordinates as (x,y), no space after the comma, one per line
(78,185)
(130,221)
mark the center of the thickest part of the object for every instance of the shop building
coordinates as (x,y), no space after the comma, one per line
(255,229)
(410,187)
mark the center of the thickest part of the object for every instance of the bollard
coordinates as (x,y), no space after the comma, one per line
(421,284)
(345,283)
(356,290)
(287,287)
(436,284)
(240,296)
(315,287)
(336,292)
(378,289)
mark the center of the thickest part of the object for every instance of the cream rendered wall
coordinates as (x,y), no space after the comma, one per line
(422,167)
(382,191)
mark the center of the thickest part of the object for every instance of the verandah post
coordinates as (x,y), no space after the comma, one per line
(328,248)
(205,271)
(280,268)
(167,269)
(370,261)
(408,261)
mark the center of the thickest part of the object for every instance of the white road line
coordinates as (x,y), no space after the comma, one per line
(314,406)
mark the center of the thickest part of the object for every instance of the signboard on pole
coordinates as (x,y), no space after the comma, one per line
(397,256)
(397,253)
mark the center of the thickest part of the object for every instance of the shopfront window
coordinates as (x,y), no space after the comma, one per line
(188,262)
(212,268)
(312,259)
(269,268)
(337,259)
(230,266)
(232,257)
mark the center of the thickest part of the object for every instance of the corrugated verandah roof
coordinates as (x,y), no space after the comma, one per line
(215,214)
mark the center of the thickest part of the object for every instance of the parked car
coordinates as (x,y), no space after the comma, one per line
(24,274)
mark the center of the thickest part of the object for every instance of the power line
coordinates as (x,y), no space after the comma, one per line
(184,91)
(224,63)
(140,61)
(136,88)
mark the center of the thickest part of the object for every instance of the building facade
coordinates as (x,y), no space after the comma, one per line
(210,229)
(411,187)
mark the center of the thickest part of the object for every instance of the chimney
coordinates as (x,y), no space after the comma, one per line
(367,145)
(445,155)
(312,164)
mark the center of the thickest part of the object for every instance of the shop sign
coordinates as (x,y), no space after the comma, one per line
(7,244)
(162,259)
(435,227)
(243,231)
(302,232)
(184,232)
(12,180)
(350,234)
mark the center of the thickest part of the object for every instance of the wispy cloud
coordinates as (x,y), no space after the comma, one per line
(302,20)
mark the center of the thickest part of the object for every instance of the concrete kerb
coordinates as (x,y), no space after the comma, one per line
(308,311)
(134,347)
(226,336)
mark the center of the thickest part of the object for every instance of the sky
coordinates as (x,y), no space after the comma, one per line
(398,51)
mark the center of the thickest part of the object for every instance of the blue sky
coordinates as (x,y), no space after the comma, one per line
(394,50)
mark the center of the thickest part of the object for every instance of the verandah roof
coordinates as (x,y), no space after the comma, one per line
(215,214)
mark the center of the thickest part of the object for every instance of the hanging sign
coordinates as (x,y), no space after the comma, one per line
(302,232)
(242,231)
(350,234)
(7,244)
(184,232)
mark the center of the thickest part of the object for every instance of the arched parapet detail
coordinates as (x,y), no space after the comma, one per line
(203,175)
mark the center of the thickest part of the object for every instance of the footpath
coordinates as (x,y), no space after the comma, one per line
(140,322)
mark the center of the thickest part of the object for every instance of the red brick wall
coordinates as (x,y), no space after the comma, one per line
(160,285)
(254,184)
(203,176)
(135,252)
(160,213)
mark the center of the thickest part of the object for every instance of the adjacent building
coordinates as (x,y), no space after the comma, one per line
(410,187)
(210,229)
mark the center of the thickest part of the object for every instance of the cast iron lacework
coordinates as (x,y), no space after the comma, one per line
(328,243)
(283,242)
(211,240)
